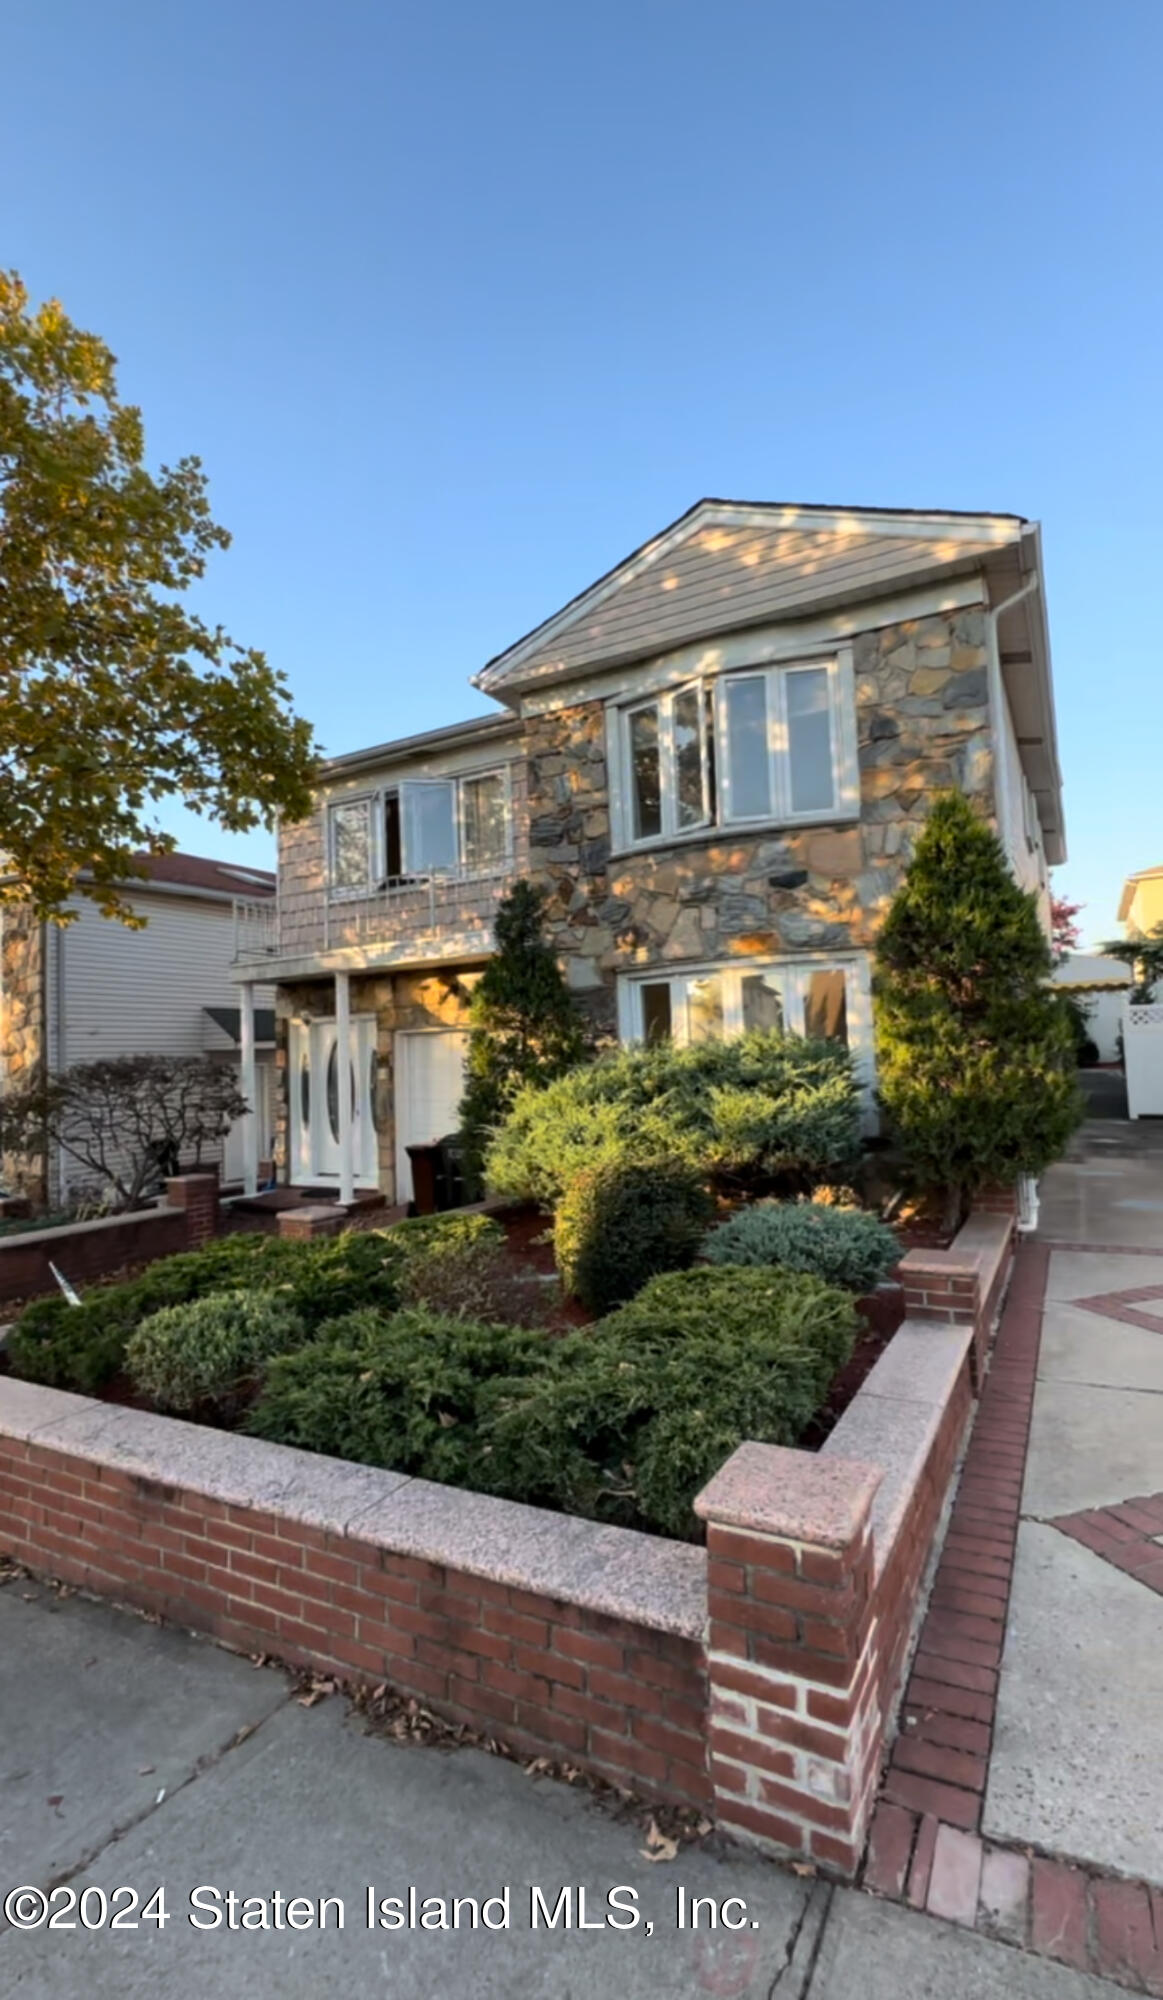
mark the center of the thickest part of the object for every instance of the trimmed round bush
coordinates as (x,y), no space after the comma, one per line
(760,1105)
(208,1349)
(630,1418)
(624,1222)
(401,1391)
(844,1246)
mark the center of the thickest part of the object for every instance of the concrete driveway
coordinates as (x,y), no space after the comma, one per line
(135,1758)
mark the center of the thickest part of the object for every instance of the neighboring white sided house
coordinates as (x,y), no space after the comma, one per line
(94,989)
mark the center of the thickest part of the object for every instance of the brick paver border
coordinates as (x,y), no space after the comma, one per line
(1130,1536)
(925,1847)
(1125,1306)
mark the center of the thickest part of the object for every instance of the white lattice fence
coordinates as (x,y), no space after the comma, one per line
(1143,1055)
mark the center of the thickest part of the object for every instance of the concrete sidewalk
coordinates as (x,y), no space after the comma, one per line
(132,1755)
(1077,1761)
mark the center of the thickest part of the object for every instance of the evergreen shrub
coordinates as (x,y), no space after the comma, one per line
(207,1350)
(844,1246)
(974,1051)
(624,1221)
(761,1105)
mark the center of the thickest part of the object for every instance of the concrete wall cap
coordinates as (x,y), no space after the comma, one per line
(796,1495)
(639,1579)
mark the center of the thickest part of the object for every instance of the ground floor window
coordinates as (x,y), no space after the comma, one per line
(829,998)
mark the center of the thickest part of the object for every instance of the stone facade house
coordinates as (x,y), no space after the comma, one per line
(716,759)
(92,988)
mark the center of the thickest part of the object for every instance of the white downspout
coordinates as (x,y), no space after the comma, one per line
(998,707)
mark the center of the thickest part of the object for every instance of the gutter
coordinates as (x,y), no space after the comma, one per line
(997,704)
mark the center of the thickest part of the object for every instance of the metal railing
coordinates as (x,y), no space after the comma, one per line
(399,909)
(256,930)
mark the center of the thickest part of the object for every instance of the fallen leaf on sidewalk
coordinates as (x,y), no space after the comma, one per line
(146,1770)
(658,1847)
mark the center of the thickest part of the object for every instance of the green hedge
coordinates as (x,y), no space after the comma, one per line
(624,1221)
(209,1349)
(400,1391)
(81,1347)
(762,1105)
(623,1421)
(844,1246)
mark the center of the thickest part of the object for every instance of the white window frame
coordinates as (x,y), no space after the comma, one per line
(668,759)
(376,801)
(836,662)
(795,974)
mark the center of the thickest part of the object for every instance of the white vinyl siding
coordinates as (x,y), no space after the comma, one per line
(143,992)
(119,992)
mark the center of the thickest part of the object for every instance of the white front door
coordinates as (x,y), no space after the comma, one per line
(314,1085)
(429,1087)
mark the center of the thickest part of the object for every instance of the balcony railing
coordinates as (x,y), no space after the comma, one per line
(419,907)
(256,930)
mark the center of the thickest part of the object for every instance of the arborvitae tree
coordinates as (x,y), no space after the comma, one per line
(525,1024)
(974,1050)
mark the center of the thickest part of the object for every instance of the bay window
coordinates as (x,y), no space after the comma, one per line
(417,829)
(824,999)
(770,743)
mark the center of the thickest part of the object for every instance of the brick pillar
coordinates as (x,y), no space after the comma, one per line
(795,1733)
(996,1201)
(198,1195)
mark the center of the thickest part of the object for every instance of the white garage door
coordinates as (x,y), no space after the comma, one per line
(429,1087)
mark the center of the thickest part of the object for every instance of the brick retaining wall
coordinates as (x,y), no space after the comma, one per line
(757,1678)
(83,1251)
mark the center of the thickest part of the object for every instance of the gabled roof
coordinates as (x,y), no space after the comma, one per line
(728,563)
(196,871)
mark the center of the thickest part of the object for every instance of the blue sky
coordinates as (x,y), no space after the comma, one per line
(459,304)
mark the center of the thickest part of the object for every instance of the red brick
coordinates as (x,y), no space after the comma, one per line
(938,1760)
(554,1666)
(922,1862)
(819,1742)
(955,1877)
(1124,1935)
(515,1625)
(750,1750)
(592,1652)
(927,1795)
(890,1847)
(781,1694)
(815,1811)
(930,1724)
(791,1660)
(1058,1912)
(736,1547)
(775,1827)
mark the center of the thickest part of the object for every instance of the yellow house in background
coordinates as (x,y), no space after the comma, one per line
(1141,903)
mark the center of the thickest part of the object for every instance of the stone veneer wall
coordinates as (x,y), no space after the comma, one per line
(399,1000)
(923,727)
(23,1027)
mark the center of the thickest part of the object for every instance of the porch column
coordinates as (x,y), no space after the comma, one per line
(248,1082)
(343,1064)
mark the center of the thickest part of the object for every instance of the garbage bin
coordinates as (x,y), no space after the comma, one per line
(425,1161)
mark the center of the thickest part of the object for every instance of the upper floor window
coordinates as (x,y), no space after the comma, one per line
(416,829)
(761,744)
